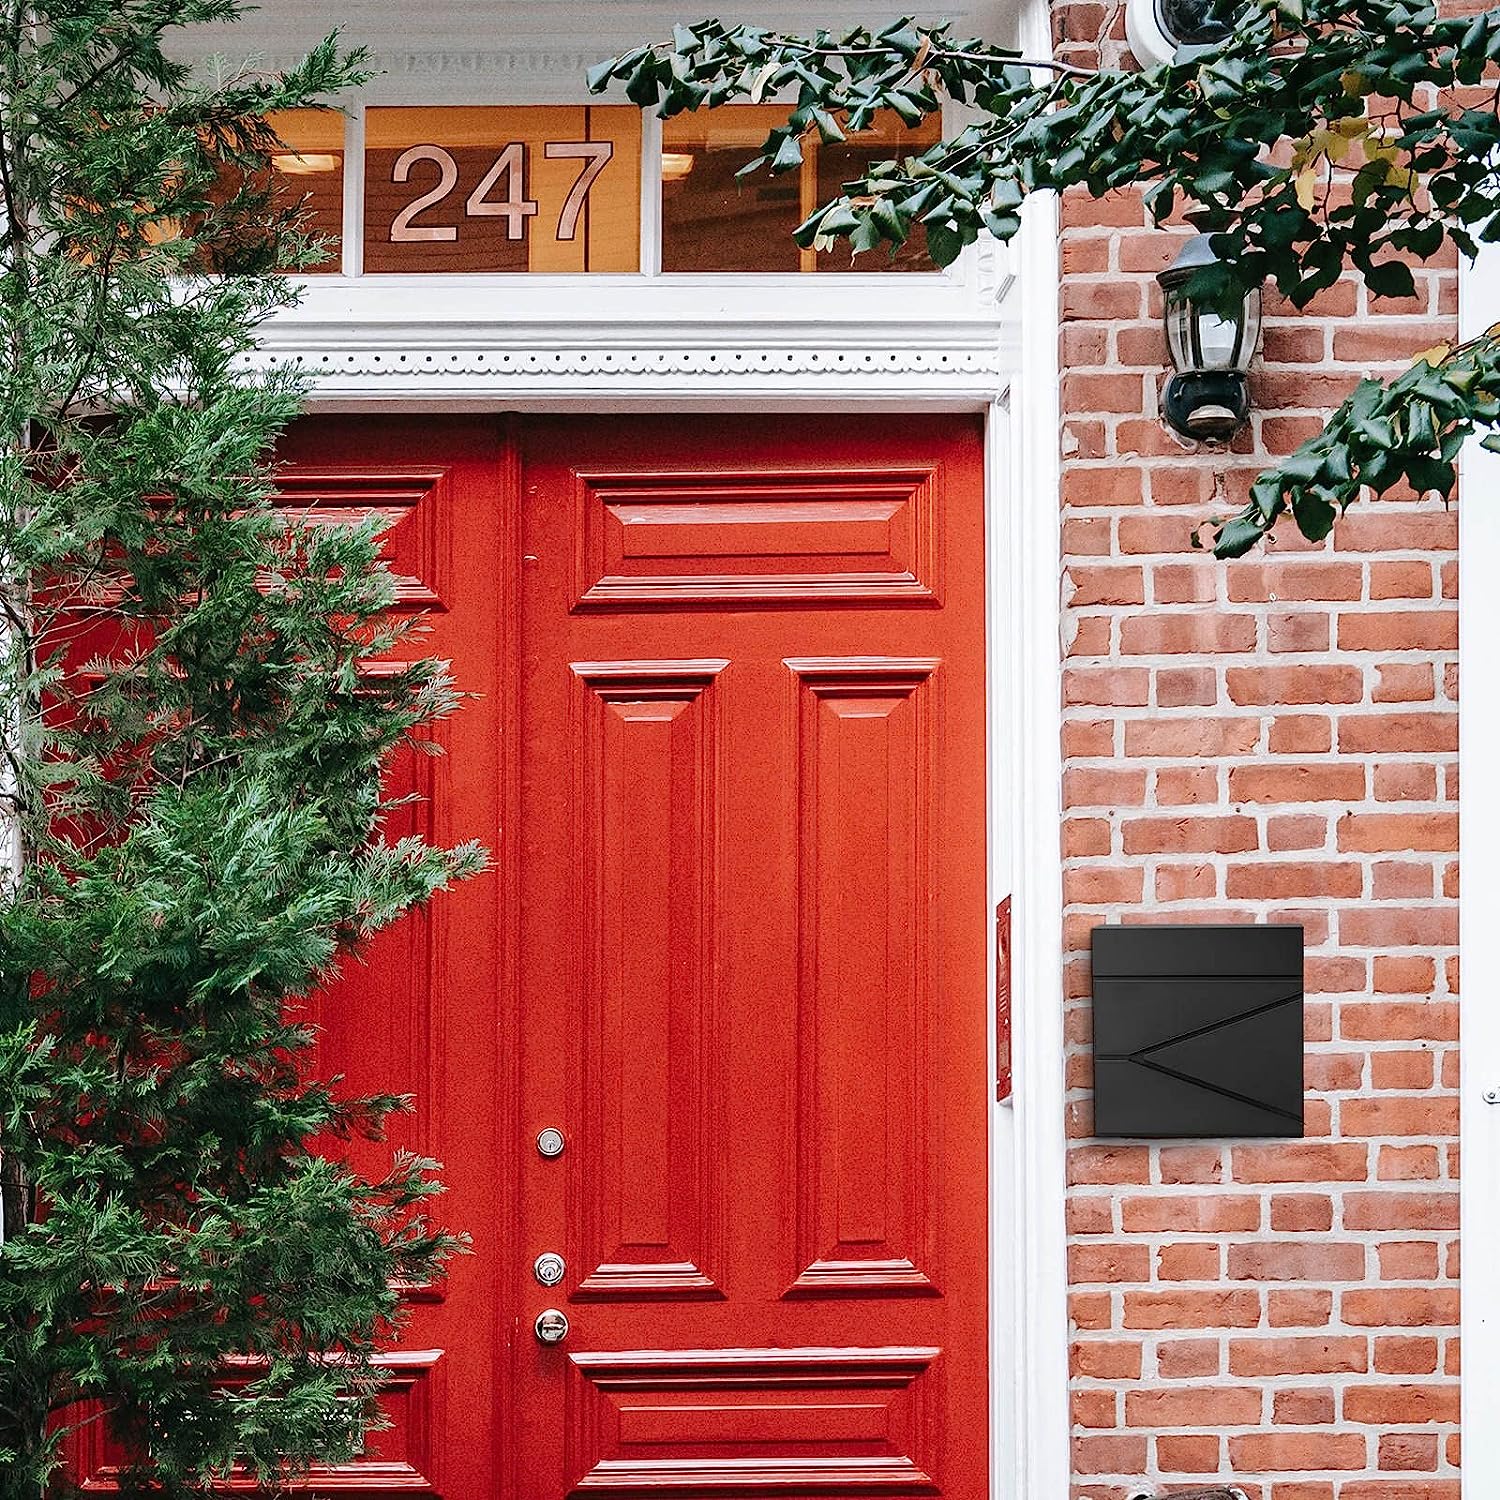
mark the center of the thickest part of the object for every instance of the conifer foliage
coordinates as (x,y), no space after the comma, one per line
(190,772)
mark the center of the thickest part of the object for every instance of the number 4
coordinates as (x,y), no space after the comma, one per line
(597,154)
(515,208)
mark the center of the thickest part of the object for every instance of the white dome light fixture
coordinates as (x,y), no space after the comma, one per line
(1158,30)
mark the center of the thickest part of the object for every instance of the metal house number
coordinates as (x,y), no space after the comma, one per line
(508,173)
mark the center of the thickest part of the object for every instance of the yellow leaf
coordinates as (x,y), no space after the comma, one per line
(922,53)
(1307,188)
(1435,355)
(1353,83)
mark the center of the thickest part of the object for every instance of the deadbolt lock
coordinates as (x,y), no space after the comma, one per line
(549,1268)
(551,1326)
(549,1142)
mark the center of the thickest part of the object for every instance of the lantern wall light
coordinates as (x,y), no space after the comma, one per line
(1207,396)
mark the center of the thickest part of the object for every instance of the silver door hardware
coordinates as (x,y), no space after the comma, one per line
(551,1326)
(1492,1096)
(549,1268)
(550,1142)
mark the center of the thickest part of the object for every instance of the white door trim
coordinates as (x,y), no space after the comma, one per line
(1479,899)
(1029,1135)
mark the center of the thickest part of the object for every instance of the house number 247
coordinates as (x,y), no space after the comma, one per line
(507,176)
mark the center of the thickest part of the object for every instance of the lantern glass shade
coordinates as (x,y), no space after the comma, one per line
(1201,340)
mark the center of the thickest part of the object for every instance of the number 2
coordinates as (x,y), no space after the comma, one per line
(403,231)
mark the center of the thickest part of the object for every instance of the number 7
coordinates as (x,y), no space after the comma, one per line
(597,154)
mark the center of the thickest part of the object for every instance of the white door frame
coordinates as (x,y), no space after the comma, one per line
(1029,1339)
(1479,899)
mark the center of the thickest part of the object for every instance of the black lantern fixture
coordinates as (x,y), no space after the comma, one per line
(1207,397)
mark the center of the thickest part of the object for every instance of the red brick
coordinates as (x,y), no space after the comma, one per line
(1185,882)
(1160,634)
(1191,1213)
(1399,926)
(1332,683)
(1191,1261)
(1221,1406)
(1109,1453)
(1406,1355)
(1280,879)
(1401,1307)
(1298,1308)
(1096,1262)
(1408,1260)
(1189,835)
(1408,1450)
(1377,833)
(1297,831)
(1094,1408)
(1405,782)
(1179,1359)
(1400,1021)
(1294,1260)
(1108,1164)
(1399,1114)
(1257,582)
(1085,836)
(1399,630)
(1300,1162)
(1380,1404)
(1295,1452)
(1301,1212)
(1182,1308)
(1187,1453)
(1401,1070)
(1297,630)
(1195,582)
(1190,1163)
(1191,737)
(1303,1406)
(1402,682)
(1106,1359)
(1407,734)
(1186,687)
(1300,734)
(1114,687)
(1387,1210)
(1407,1164)
(1185,786)
(1297,783)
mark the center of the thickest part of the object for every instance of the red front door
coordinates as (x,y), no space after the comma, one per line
(752,957)
(727,744)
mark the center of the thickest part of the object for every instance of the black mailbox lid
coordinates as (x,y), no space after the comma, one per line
(1147,951)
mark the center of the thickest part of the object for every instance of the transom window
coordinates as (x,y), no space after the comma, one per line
(459,189)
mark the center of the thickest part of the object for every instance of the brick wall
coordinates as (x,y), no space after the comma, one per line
(1272,739)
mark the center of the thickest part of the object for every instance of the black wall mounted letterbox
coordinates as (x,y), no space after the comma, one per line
(1197,1031)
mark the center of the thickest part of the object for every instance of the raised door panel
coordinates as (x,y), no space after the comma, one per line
(755,537)
(647,1172)
(867,999)
(397,1460)
(750,1421)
